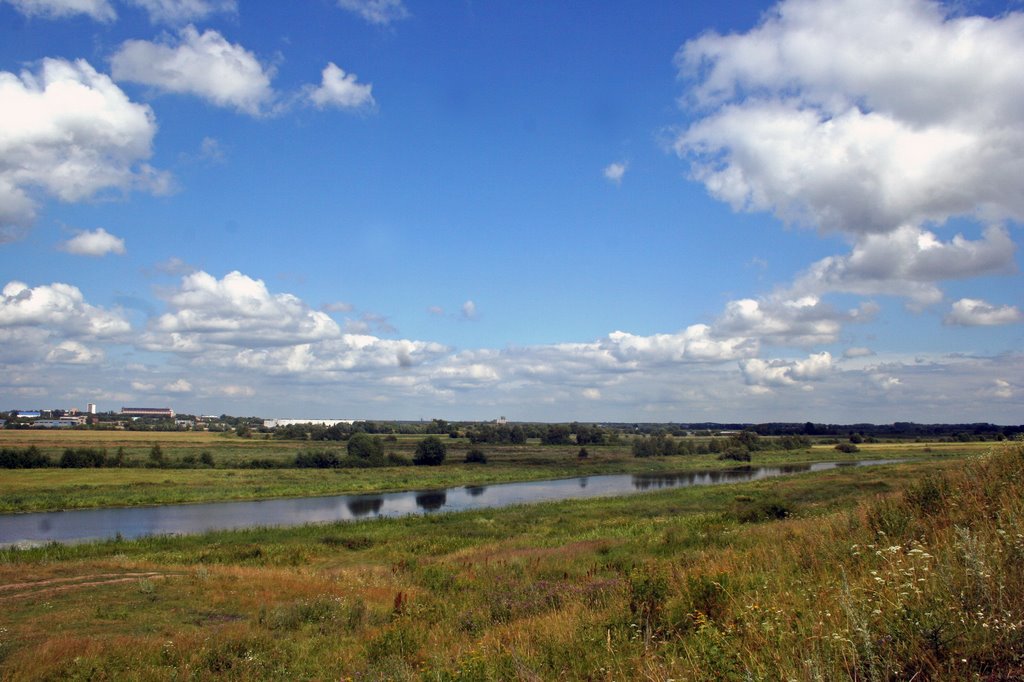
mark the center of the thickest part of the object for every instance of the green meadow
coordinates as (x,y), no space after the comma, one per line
(895,572)
(232,478)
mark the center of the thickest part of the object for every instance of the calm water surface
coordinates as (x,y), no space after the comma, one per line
(132,522)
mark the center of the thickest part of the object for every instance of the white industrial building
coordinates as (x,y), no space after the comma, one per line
(274,423)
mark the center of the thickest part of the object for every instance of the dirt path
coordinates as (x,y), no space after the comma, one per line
(40,588)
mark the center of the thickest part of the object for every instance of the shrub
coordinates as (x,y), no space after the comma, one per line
(556,434)
(29,458)
(735,454)
(316,459)
(430,452)
(476,456)
(658,445)
(364,446)
(395,459)
(205,458)
(156,456)
(847,448)
(264,463)
(583,454)
(79,458)
(772,509)
(648,592)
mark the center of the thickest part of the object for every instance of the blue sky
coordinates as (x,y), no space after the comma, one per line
(549,211)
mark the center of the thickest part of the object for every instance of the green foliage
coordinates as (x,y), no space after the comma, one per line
(557,434)
(648,594)
(589,435)
(746,440)
(28,458)
(325,613)
(317,459)
(658,445)
(793,442)
(430,452)
(330,459)
(364,446)
(735,454)
(704,599)
(497,434)
(80,458)
(476,456)
(766,509)
(847,448)
(156,456)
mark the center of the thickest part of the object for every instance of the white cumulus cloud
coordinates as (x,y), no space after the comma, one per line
(100,10)
(381,12)
(181,11)
(59,309)
(908,261)
(340,89)
(69,132)
(800,321)
(97,242)
(53,322)
(202,64)
(861,116)
(74,353)
(696,343)
(235,311)
(972,312)
(178,386)
(614,172)
(767,373)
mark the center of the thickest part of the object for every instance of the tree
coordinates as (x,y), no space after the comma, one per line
(364,446)
(429,452)
(476,456)
(556,434)
(156,456)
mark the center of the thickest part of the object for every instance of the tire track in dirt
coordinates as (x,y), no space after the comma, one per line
(39,588)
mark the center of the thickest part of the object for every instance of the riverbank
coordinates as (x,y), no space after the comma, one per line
(53,489)
(800,577)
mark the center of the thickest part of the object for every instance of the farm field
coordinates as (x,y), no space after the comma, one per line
(23,490)
(886,572)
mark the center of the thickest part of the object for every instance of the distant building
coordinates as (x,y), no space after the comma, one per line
(274,423)
(31,414)
(91,408)
(62,423)
(161,412)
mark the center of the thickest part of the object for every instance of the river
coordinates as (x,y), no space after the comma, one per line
(79,525)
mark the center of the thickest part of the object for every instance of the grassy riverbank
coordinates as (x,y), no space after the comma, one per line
(698,583)
(55,488)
